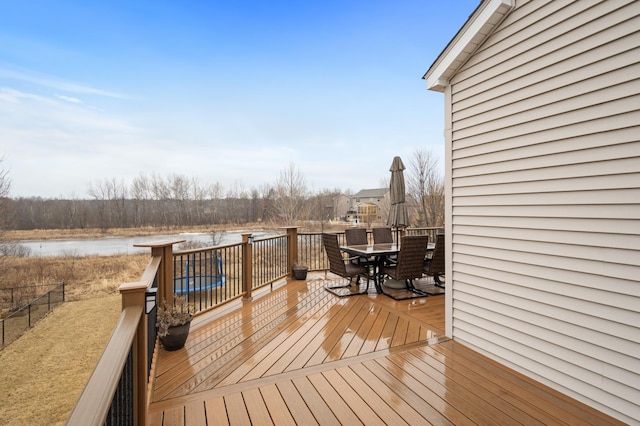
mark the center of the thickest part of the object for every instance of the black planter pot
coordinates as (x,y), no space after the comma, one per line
(300,273)
(176,338)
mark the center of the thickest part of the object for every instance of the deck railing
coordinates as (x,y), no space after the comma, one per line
(212,276)
(117,390)
(269,260)
(208,277)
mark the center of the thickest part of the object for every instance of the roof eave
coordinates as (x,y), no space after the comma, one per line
(478,27)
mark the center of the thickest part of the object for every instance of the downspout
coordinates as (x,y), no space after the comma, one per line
(448,212)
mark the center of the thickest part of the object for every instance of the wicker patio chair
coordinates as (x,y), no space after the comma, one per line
(434,267)
(382,235)
(356,236)
(409,266)
(342,268)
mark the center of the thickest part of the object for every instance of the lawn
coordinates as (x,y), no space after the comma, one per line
(45,370)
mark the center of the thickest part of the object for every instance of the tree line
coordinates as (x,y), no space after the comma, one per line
(177,200)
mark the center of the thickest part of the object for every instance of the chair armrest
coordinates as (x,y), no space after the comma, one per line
(390,261)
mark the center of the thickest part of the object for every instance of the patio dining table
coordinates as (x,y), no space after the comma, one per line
(375,255)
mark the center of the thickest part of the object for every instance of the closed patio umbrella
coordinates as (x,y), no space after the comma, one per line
(398,217)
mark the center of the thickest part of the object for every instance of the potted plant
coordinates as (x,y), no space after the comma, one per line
(173,323)
(299,272)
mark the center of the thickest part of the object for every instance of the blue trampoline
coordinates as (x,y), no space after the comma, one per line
(192,282)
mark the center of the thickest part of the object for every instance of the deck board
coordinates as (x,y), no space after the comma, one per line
(318,406)
(376,403)
(338,405)
(301,413)
(406,410)
(301,355)
(434,407)
(278,409)
(215,411)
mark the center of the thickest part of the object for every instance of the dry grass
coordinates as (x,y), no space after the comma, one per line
(84,277)
(45,370)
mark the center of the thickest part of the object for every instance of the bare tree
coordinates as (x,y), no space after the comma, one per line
(236,197)
(214,193)
(321,205)
(100,193)
(161,195)
(199,197)
(111,195)
(75,213)
(5,202)
(141,195)
(7,215)
(180,191)
(290,194)
(425,187)
(267,195)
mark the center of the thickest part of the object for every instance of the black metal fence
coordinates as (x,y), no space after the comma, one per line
(22,317)
(151,309)
(431,232)
(311,252)
(210,276)
(121,409)
(269,260)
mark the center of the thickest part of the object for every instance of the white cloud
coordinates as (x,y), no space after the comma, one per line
(70,99)
(57,84)
(8,94)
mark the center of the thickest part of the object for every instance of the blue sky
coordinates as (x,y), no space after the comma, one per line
(221,91)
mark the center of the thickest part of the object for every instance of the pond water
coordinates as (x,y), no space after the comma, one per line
(107,246)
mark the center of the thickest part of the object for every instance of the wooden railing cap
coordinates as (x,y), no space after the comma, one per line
(136,285)
(157,244)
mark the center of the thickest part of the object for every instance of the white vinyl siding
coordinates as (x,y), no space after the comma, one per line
(545,199)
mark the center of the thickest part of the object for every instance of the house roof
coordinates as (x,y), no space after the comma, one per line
(478,27)
(371,193)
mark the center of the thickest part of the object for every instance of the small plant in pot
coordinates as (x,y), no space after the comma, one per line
(173,323)
(300,272)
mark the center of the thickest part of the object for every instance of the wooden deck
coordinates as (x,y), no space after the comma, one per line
(300,355)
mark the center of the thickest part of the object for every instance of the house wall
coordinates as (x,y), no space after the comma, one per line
(544,199)
(372,207)
(341,205)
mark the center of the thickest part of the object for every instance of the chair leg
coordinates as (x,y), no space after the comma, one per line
(409,287)
(413,289)
(335,289)
(436,279)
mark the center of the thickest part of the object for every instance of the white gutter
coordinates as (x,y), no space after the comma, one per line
(477,28)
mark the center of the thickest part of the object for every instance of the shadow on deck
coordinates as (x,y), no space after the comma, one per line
(300,355)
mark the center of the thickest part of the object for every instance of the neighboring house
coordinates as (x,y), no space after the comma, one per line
(542,136)
(341,206)
(368,205)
